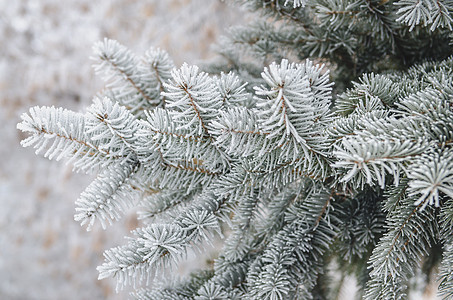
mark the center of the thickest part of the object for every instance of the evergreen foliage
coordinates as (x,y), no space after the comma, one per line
(297,173)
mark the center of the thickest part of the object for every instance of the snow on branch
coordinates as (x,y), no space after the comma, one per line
(61,133)
(108,196)
(135,83)
(436,13)
(193,98)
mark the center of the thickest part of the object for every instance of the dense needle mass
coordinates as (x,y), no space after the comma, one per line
(299,174)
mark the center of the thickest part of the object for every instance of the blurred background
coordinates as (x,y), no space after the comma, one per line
(44,60)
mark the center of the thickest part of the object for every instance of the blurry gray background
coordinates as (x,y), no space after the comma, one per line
(44,60)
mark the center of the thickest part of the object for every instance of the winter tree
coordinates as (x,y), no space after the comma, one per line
(320,142)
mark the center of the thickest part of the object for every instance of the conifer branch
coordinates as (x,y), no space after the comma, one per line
(294,172)
(67,130)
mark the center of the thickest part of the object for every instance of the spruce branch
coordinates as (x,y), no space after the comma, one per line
(232,90)
(162,133)
(156,70)
(295,176)
(282,115)
(425,12)
(411,233)
(370,160)
(112,126)
(61,134)
(158,247)
(430,176)
(193,98)
(155,247)
(164,204)
(291,262)
(237,131)
(445,274)
(135,83)
(371,89)
(109,195)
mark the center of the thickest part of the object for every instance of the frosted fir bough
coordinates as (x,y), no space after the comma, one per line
(295,177)
(281,173)
(134,82)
